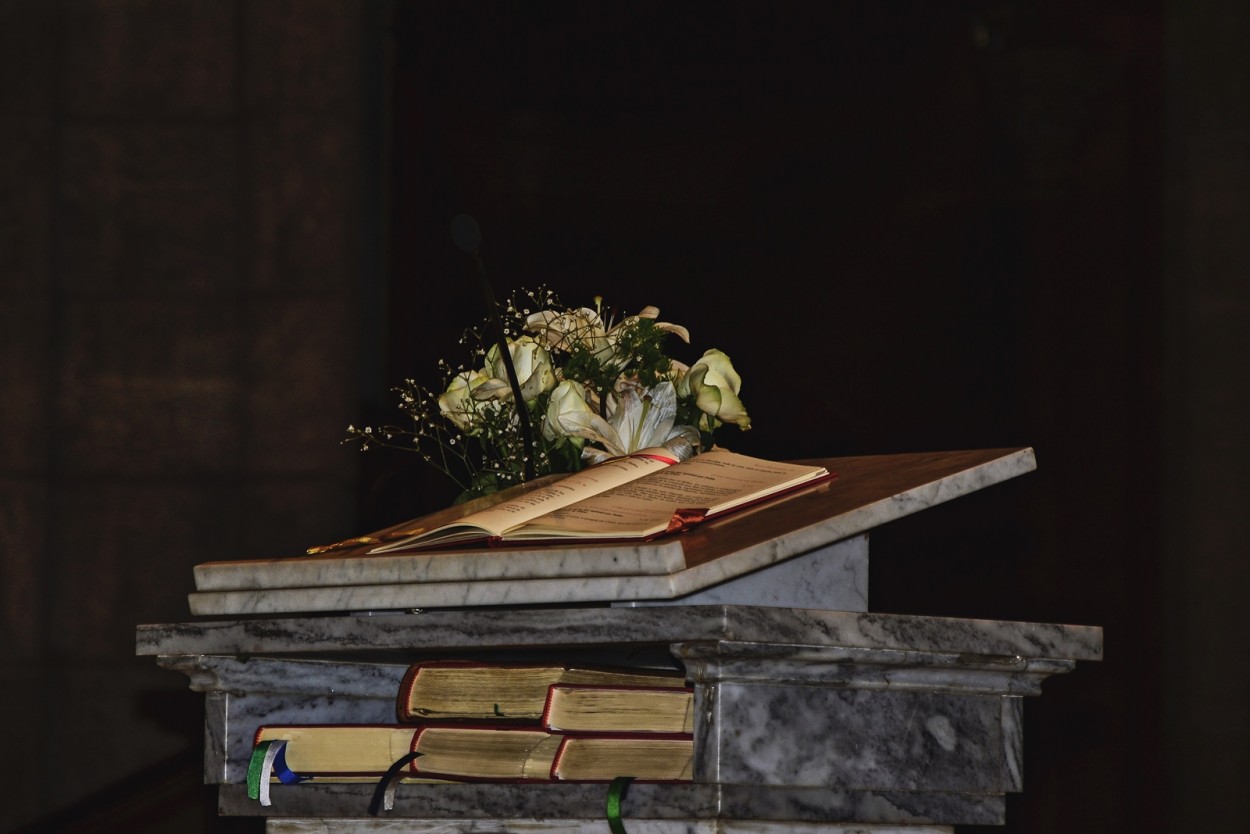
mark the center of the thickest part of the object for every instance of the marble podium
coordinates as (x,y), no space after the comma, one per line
(813,714)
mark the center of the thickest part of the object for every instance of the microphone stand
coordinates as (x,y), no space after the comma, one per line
(467,236)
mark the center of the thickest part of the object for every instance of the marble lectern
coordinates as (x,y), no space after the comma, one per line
(814,715)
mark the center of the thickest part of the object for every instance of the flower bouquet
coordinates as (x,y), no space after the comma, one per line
(591,387)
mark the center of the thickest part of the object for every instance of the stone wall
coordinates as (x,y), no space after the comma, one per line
(180,266)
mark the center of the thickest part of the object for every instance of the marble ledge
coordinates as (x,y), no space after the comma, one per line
(703,663)
(474,593)
(833,576)
(806,575)
(530,628)
(310,678)
(661,557)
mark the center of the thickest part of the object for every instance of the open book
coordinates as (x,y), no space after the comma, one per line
(629,498)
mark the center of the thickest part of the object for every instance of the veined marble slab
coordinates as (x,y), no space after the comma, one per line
(530,629)
(887,721)
(863,719)
(280,825)
(661,802)
(868,492)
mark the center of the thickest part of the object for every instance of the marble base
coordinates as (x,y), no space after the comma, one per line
(571,826)
(585,803)
(801,716)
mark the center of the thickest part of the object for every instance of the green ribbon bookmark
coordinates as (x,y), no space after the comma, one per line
(256,769)
(616,793)
(268,758)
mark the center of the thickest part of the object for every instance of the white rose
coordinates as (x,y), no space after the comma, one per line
(715,385)
(534,372)
(456,403)
(569,414)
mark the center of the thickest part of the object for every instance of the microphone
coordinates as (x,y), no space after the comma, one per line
(467,236)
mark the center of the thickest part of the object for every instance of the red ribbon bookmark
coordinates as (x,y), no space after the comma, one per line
(685,518)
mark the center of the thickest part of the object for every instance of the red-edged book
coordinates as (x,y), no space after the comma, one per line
(501,753)
(466,690)
(340,750)
(647,757)
(619,708)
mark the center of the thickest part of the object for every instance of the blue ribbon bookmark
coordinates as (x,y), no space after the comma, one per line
(285,775)
(384,793)
(616,793)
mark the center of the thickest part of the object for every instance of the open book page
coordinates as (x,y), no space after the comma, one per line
(496,519)
(716,481)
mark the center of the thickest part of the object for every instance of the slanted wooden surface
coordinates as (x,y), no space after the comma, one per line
(867,492)
(860,482)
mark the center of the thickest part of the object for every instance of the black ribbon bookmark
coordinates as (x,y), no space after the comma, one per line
(384,793)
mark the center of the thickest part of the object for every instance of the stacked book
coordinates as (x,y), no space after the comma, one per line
(472,721)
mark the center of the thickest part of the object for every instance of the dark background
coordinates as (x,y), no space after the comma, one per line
(914,226)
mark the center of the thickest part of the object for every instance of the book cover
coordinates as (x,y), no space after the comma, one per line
(340,750)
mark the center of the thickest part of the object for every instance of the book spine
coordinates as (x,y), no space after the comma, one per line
(405,708)
(545,720)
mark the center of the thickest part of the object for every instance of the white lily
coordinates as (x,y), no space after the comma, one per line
(643,420)
(564,331)
(584,327)
(569,414)
(650,312)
